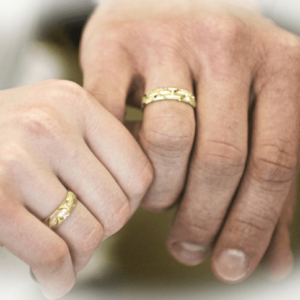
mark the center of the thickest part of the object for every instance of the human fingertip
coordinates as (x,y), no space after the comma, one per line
(280,272)
(49,294)
(231,265)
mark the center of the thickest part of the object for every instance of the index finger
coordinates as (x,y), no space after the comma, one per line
(107,68)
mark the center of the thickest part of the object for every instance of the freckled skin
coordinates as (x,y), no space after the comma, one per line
(230,165)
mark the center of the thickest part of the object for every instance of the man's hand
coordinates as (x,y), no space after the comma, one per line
(54,136)
(233,160)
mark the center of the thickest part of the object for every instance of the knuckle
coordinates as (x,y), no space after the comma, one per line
(274,163)
(284,55)
(220,158)
(222,26)
(223,33)
(71,88)
(117,219)
(141,182)
(258,218)
(204,230)
(63,86)
(286,43)
(53,257)
(173,134)
(12,156)
(201,229)
(69,93)
(117,36)
(113,42)
(117,33)
(41,122)
(92,241)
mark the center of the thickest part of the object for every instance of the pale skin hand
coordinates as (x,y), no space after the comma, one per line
(240,146)
(55,136)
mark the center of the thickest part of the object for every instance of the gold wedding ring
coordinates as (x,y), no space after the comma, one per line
(172,94)
(63,211)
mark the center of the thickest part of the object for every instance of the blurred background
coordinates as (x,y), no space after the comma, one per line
(38,41)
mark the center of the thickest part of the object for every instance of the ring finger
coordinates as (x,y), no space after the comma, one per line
(42,193)
(217,164)
(167,132)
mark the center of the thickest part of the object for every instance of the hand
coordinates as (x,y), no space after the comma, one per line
(54,137)
(238,151)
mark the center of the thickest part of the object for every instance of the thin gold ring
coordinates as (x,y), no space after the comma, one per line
(63,212)
(173,94)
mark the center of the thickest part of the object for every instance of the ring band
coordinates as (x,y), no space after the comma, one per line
(63,211)
(172,94)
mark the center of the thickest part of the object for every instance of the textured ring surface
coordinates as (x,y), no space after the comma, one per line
(63,211)
(172,94)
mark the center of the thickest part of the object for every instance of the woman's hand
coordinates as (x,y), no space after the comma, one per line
(232,160)
(54,136)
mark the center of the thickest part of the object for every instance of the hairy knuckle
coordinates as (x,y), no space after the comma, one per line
(112,40)
(117,33)
(257,218)
(204,231)
(248,227)
(221,158)
(223,34)
(284,43)
(274,163)
(284,56)
(223,27)
(169,134)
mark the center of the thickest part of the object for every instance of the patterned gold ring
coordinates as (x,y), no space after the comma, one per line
(172,94)
(63,211)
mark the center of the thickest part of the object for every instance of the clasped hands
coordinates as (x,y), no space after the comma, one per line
(231,163)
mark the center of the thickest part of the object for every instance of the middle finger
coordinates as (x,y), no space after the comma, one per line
(217,163)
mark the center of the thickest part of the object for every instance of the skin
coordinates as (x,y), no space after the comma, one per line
(54,137)
(231,162)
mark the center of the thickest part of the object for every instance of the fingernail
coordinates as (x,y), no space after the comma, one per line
(281,271)
(49,294)
(33,277)
(190,254)
(232,265)
(280,276)
(193,247)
